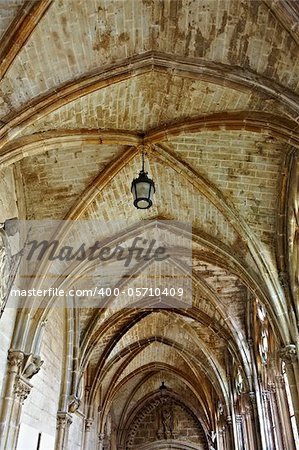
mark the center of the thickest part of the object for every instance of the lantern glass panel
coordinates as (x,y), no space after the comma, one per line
(143,189)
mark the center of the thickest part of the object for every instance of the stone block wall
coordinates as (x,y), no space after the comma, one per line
(40,408)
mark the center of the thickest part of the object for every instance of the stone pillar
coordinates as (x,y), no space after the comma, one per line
(222,438)
(21,368)
(230,433)
(253,422)
(290,357)
(257,404)
(240,432)
(15,360)
(286,433)
(22,390)
(250,423)
(88,425)
(64,421)
(101,441)
(268,419)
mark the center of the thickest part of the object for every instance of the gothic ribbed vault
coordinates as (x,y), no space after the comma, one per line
(210,89)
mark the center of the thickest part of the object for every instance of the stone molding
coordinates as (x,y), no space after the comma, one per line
(289,353)
(15,359)
(64,419)
(88,424)
(74,403)
(101,437)
(26,365)
(22,388)
(280,381)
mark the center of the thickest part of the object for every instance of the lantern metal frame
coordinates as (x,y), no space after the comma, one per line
(143,178)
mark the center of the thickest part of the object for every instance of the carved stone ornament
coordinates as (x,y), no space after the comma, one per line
(74,403)
(88,424)
(239,382)
(166,421)
(63,419)
(266,395)
(5,263)
(220,408)
(252,397)
(22,389)
(280,381)
(264,345)
(31,366)
(15,359)
(8,262)
(289,353)
(101,437)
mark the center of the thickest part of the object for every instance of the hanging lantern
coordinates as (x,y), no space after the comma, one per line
(162,388)
(143,189)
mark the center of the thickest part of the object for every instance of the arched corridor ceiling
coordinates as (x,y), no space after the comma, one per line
(211,88)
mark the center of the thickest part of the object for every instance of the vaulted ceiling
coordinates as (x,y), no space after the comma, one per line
(211,89)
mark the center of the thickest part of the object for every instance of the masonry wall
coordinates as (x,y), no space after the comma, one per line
(185,428)
(8,209)
(75,440)
(40,408)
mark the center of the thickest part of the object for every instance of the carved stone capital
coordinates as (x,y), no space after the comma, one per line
(280,381)
(64,419)
(220,408)
(25,365)
(271,388)
(250,342)
(283,279)
(88,424)
(252,397)
(239,418)
(101,437)
(289,353)
(222,431)
(22,389)
(15,359)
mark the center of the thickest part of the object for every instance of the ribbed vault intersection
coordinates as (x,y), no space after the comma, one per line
(209,90)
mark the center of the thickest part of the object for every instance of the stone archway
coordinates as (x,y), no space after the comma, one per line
(170,444)
(165,423)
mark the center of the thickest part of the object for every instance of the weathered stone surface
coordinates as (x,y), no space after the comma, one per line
(8,11)
(211,89)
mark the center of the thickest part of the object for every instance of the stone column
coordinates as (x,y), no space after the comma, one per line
(268,419)
(290,357)
(253,418)
(250,422)
(222,438)
(64,421)
(88,425)
(286,432)
(240,432)
(22,390)
(7,427)
(257,404)
(230,433)
(101,441)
